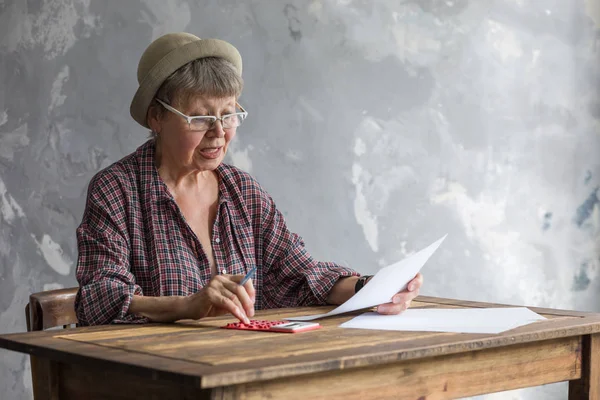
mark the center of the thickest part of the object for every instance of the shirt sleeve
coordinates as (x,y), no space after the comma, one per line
(292,278)
(106,285)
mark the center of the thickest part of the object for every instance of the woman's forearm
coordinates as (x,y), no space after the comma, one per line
(342,290)
(159,309)
(173,308)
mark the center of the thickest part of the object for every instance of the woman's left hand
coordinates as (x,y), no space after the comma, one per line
(401,300)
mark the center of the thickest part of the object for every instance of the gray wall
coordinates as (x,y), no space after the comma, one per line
(376,126)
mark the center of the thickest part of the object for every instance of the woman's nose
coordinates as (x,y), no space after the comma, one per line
(217,129)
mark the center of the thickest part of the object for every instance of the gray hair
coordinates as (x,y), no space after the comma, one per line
(209,76)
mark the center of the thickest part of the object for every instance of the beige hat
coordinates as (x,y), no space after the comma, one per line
(166,55)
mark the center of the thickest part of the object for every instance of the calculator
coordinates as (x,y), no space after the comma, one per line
(274,326)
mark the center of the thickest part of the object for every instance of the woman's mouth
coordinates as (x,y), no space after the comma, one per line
(211,152)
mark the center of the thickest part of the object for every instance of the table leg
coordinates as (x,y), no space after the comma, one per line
(44,373)
(588,386)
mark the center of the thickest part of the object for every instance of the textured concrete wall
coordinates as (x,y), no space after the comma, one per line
(376,126)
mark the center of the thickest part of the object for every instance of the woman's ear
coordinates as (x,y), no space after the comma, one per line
(154,118)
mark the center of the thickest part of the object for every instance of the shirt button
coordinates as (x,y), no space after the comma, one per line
(223,271)
(217,240)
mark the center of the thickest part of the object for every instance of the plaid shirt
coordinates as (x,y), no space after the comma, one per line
(133,239)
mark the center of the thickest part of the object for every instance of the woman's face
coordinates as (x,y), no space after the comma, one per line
(198,150)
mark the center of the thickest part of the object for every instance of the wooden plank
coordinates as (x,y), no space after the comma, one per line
(266,362)
(445,377)
(252,355)
(71,352)
(264,369)
(90,382)
(206,343)
(139,333)
(588,386)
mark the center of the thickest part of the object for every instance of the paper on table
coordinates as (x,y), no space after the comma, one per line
(384,285)
(479,320)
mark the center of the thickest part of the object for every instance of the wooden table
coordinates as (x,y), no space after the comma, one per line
(197,360)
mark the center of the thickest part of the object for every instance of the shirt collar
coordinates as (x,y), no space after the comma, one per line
(224,195)
(150,181)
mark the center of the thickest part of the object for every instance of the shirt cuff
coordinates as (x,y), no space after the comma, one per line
(324,283)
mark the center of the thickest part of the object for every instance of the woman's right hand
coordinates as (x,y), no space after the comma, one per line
(223,295)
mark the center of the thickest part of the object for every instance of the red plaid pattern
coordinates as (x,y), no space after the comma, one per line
(133,239)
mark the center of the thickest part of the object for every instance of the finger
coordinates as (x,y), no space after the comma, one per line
(250,289)
(416,282)
(390,309)
(234,297)
(232,304)
(218,304)
(231,283)
(403,297)
(225,300)
(245,299)
(249,286)
(241,293)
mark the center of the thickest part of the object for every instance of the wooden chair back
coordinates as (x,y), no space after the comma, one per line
(49,309)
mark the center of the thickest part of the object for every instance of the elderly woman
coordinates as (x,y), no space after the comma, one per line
(170,230)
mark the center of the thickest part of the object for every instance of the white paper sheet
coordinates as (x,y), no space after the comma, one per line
(461,320)
(384,285)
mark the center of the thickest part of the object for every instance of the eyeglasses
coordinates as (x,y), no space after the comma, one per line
(205,122)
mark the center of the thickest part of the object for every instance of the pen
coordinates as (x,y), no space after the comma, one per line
(248,275)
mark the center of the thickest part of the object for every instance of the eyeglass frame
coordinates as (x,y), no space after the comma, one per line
(214,118)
